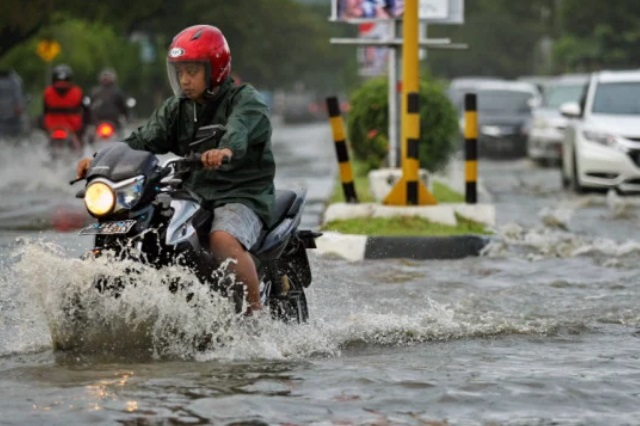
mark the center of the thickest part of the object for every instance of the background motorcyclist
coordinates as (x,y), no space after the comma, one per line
(108,102)
(64,103)
(241,193)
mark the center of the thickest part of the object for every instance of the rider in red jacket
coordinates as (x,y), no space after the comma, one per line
(63,102)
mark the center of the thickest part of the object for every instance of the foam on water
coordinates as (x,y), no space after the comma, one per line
(554,239)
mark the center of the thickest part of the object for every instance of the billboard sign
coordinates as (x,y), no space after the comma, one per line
(429,11)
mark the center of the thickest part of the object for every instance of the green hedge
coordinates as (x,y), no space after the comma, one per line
(368,119)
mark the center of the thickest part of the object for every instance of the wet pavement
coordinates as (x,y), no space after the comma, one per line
(542,329)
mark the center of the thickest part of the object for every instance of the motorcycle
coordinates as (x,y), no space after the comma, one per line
(112,129)
(141,205)
(62,143)
(105,131)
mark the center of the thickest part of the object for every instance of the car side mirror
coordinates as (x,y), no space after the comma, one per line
(570,110)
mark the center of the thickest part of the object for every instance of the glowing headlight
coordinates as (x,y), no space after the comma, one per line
(99,199)
(130,193)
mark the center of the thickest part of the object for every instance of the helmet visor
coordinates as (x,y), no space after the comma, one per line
(188,70)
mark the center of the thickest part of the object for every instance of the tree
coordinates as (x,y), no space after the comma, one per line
(503,38)
(274,43)
(603,35)
(21,20)
(368,123)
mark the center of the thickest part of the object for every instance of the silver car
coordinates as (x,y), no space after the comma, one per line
(544,145)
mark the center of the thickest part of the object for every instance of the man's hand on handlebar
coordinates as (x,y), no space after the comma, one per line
(215,157)
(83,167)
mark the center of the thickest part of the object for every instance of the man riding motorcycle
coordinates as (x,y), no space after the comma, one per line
(108,102)
(241,193)
(63,103)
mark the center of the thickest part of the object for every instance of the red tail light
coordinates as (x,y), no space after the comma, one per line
(105,130)
(59,134)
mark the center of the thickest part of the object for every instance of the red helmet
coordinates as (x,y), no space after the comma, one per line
(200,43)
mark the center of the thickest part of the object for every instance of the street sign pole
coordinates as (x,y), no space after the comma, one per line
(436,11)
(393,71)
(409,190)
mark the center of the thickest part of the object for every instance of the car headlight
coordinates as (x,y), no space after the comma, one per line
(602,138)
(99,199)
(540,123)
(129,193)
(491,130)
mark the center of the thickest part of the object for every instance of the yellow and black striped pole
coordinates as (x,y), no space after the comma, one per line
(471,148)
(337,127)
(409,190)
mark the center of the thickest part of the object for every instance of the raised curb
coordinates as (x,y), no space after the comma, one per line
(453,247)
(361,247)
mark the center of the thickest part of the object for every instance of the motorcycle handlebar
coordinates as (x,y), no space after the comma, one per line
(193,161)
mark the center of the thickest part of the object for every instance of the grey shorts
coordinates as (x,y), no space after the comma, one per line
(238,220)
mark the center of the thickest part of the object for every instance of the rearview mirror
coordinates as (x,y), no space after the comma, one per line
(570,110)
(130,102)
(207,133)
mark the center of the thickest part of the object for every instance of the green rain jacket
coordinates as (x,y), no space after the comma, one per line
(248,178)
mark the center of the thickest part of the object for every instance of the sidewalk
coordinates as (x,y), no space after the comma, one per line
(360,247)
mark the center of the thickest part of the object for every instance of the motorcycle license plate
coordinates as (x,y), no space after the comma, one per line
(108,228)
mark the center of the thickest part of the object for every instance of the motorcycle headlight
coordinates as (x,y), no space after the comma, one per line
(99,199)
(128,194)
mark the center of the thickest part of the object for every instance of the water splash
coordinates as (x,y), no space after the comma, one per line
(543,242)
(27,166)
(147,320)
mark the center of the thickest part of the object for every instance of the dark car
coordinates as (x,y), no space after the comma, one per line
(460,86)
(14,120)
(504,117)
(299,107)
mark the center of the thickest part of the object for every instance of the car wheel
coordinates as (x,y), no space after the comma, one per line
(575,181)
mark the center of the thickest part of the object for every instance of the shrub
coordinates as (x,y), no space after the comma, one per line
(369,117)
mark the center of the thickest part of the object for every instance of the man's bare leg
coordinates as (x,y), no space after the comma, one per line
(225,246)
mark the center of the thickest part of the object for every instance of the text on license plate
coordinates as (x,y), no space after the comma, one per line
(108,228)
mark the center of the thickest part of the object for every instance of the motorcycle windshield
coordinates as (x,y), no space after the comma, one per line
(118,162)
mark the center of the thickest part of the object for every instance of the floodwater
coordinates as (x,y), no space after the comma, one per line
(542,329)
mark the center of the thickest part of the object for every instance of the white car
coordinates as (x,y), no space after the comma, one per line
(544,145)
(601,148)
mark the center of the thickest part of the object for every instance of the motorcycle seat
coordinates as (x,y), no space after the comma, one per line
(287,204)
(284,200)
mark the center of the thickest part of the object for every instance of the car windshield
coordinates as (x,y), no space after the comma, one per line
(503,101)
(558,94)
(617,99)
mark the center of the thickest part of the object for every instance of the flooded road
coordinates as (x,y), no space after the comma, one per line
(543,329)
